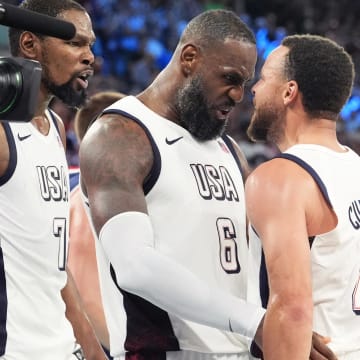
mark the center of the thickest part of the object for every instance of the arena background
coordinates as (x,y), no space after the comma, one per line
(135,39)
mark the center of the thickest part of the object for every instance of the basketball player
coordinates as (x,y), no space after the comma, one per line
(164,186)
(304,204)
(40,310)
(82,258)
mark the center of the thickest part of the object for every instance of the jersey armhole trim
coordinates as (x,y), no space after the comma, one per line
(311,171)
(12,154)
(230,145)
(54,121)
(154,173)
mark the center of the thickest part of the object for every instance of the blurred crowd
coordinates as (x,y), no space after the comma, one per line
(135,39)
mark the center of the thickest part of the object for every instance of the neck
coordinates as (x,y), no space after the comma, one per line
(159,98)
(41,123)
(315,131)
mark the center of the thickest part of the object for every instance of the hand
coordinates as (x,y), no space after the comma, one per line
(319,349)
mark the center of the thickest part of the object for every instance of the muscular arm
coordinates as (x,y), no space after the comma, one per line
(115,158)
(276,199)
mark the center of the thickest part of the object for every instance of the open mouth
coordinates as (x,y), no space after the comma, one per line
(82,79)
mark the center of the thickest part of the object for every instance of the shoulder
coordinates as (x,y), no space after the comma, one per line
(277,194)
(279,170)
(115,145)
(278,180)
(114,132)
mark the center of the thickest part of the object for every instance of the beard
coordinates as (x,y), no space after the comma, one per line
(195,113)
(66,92)
(266,124)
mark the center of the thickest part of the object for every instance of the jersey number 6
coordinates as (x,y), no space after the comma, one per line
(228,248)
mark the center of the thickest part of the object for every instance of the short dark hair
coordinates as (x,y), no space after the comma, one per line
(323,70)
(47,7)
(93,107)
(214,26)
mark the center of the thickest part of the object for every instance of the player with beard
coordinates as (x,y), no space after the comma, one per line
(304,203)
(163,185)
(41,314)
(164,188)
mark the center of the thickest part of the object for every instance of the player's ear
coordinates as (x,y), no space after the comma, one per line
(188,59)
(29,45)
(291,91)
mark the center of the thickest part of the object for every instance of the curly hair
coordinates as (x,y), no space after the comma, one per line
(323,70)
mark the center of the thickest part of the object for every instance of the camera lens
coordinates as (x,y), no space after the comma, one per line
(10,84)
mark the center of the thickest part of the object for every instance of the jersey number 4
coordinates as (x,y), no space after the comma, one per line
(228,248)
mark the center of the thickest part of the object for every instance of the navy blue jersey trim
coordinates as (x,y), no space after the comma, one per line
(12,154)
(3,305)
(107,352)
(154,173)
(231,147)
(263,278)
(74,180)
(91,122)
(54,121)
(264,282)
(311,171)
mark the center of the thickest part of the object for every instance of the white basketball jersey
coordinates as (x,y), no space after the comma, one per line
(335,255)
(195,201)
(33,238)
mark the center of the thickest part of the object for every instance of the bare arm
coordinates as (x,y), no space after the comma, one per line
(277,210)
(83,330)
(115,158)
(4,151)
(83,266)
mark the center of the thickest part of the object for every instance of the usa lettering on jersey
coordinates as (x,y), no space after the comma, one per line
(214,183)
(53,183)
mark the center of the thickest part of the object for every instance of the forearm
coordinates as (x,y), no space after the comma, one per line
(96,315)
(167,284)
(287,332)
(83,331)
